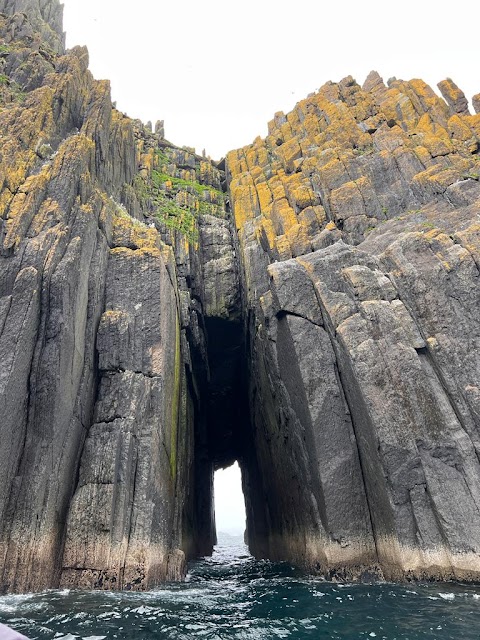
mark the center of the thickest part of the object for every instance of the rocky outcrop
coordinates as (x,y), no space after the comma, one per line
(100,285)
(36,22)
(324,333)
(358,224)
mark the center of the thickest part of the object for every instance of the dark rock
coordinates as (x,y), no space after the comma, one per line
(395,322)
(220,275)
(318,323)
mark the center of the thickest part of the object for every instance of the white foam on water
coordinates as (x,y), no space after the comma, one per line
(109,614)
(195,627)
(447,596)
(142,609)
(12,602)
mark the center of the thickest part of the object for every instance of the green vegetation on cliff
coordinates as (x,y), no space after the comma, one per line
(176,197)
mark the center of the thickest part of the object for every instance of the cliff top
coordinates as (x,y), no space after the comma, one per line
(45,16)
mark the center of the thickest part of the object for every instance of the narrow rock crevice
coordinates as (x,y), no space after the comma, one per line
(177,314)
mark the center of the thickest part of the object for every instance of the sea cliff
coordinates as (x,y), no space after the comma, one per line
(307,306)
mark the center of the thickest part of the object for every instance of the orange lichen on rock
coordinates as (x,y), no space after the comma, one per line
(245,205)
(265,197)
(141,252)
(288,153)
(24,207)
(237,162)
(474,123)
(433,137)
(148,161)
(128,232)
(282,216)
(398,107)
(454,96)
(460,131)
(299,191)
(425,99)
(325,152)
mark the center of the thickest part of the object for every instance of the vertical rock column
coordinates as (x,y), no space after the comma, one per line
(364,388)
(121,517)
(306,500)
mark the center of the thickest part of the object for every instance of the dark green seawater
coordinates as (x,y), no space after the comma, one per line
(231,595)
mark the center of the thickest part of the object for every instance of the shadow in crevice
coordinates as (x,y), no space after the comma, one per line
(223,433)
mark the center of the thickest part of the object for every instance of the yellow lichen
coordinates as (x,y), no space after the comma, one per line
(264,197)
(245,203)
(135,253)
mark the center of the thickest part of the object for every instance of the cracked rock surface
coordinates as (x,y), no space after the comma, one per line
(358,222)
(319,323)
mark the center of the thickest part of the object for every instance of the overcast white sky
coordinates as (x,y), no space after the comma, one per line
(217,71)
(229,502)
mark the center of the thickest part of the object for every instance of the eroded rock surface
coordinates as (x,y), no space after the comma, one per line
(358,224)
(324,333)
(102,295)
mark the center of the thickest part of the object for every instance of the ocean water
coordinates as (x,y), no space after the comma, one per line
(232,595)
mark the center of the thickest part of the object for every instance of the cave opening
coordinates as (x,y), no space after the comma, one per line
(230,516)
(224,436)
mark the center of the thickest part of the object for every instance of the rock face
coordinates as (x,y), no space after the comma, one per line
(357,220)
(102,290)
(324,333)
